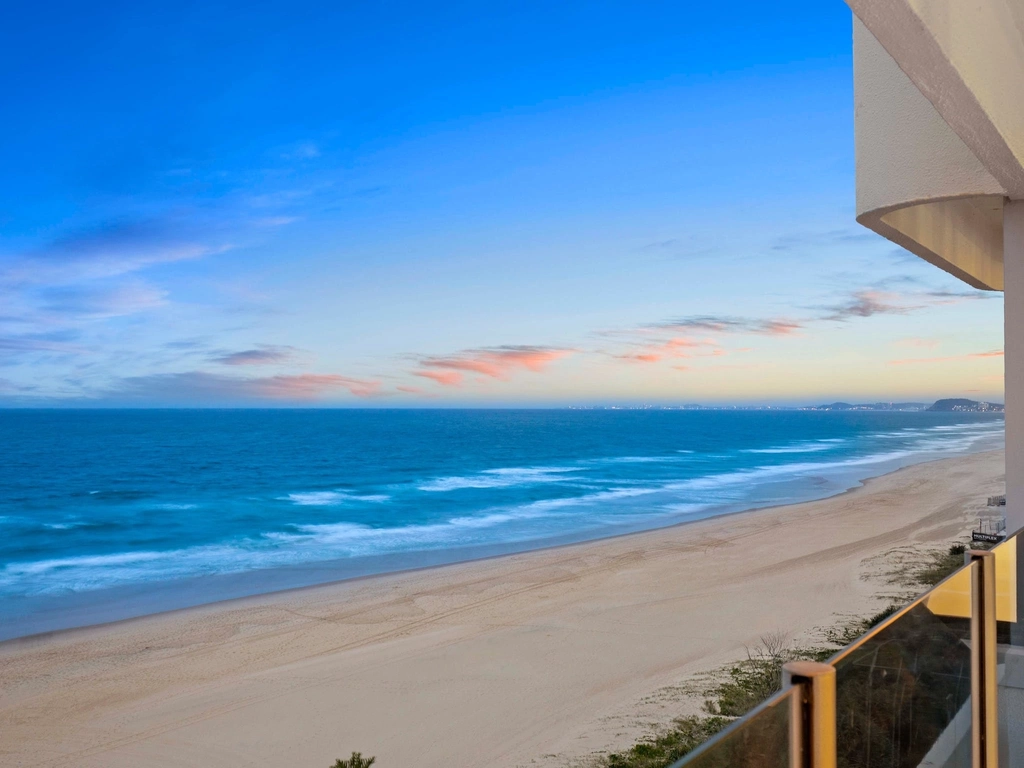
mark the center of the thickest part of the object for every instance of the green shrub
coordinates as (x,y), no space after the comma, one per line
(685,735)
(752,681)
(942,565)
(356,761)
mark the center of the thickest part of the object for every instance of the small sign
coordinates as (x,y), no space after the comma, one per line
(991,538)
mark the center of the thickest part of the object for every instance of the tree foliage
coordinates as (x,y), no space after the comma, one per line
(356,761)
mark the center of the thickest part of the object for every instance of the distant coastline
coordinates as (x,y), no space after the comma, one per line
(955,404)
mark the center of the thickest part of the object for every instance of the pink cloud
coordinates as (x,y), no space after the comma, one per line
(496,363)
(974,355)
(444,378)
(670,349)
(779,328)
(642,357)
(312,385)
(410,390)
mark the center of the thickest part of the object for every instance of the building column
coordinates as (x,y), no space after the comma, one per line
(1011,686)
(1013,341)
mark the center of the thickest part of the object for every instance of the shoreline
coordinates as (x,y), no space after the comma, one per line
(298,591)
(532,659)
(42,616)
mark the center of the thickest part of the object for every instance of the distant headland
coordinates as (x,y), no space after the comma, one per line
(946,405)
(963,404)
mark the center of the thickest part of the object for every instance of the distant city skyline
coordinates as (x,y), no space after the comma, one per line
(500,205)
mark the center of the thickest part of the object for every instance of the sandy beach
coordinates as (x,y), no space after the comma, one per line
(533,659)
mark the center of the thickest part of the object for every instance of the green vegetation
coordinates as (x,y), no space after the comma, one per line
(755,679)
(356,761)
(685,735)
(846,633)
(942,565)
(748,683)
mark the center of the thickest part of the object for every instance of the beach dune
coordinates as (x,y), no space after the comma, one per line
(530,659)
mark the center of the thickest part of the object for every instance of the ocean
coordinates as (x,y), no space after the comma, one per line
(110,514)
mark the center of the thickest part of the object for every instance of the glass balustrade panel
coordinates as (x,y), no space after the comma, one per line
(903,691)
(1010,650)
(759,740)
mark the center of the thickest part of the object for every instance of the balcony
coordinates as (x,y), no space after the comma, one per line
(939,684)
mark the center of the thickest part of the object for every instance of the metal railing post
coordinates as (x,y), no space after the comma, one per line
(984,693)
(813,732)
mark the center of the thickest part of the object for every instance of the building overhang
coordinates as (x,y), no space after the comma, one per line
(939,86)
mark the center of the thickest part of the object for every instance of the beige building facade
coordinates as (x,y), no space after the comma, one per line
(939,91)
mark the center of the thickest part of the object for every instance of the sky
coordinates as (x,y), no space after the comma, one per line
(396,204)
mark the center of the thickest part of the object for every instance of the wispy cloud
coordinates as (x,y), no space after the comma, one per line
(954,297)
(660,245)
(775,326)
(803,240)
(675,337)
(263,354)
(493,362)
(311,385)
(693,336)
(89,276)
(202,387)
(869,302)
(275,221)
(114,248)
(950,358)
(8,387)
(861,303)
(186,344)
(304,150)
(101,301)
(62,342)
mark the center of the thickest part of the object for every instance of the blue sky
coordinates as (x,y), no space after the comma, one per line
(396,204)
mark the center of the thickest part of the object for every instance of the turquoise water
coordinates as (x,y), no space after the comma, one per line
(105,514)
